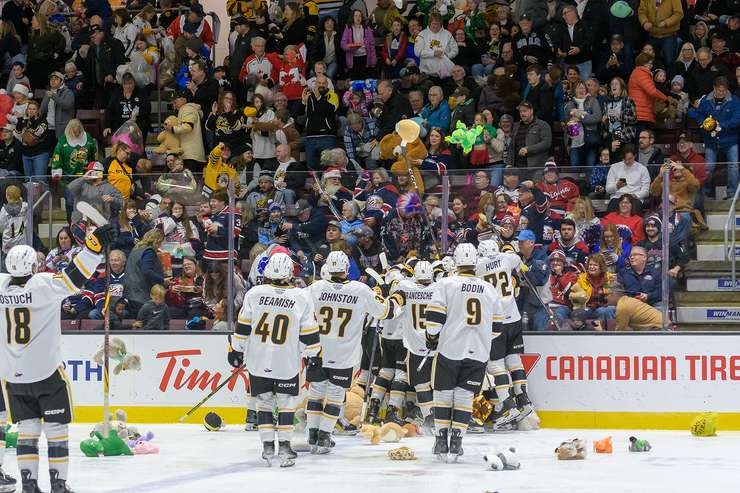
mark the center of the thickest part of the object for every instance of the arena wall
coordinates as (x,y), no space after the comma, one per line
(610,380)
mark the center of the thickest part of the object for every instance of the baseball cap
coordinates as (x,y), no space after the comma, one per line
(302,205)
(525,17)
(551,166)
(526,235)
(525,104)
(332,173)
(57,74)
(617,37)
(461,91)
(334,224)
(240,20)
(94,169)
(411,70)
(363,231)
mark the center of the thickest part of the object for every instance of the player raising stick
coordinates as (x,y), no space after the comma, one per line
(340,307)
(459,324)
(275,322)
(31,357)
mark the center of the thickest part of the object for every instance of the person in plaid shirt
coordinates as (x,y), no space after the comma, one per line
(360,139)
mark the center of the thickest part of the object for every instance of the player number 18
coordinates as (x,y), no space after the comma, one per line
(21,320)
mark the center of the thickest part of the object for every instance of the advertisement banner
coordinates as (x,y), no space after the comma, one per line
(574,380)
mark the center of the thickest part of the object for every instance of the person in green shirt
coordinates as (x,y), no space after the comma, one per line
(74,150)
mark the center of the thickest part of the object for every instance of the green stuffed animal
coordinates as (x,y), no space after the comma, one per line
(463,137)
(11,438)
(111,446)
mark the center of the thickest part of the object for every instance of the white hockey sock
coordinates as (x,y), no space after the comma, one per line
(518,376)
(462,408)
(265,413)
(332,407)
(398,389)
(425,398)
(315,404)
(251,403)
(442,409)
(501,379)
(286,407)
(382,383)
(57,436)
(3,423)
(27,453)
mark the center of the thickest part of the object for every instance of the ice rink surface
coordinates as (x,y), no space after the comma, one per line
(195,460)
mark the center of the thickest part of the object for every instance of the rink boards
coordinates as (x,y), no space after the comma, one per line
(607,380)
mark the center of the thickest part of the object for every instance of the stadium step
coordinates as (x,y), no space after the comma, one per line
(710,246)
(716,220)
(708,307)
(710,275)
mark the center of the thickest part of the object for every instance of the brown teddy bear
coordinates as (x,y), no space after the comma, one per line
(388,433)
(390,148)
(169,143)
(353,405)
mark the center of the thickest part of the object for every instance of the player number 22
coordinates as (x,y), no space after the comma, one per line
(473,309)
(21,320)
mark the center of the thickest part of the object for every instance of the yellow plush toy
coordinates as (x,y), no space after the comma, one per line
(353,405)
(169,143)
(388,433)
(390,148)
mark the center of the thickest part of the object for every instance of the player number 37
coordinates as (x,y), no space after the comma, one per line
(18,325)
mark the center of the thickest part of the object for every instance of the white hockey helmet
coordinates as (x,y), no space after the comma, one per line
(423,271)
(487,248)
(280,266)
(21,261)
(337,262)
(393,275)
(325,273)
(448,263)
(465,255)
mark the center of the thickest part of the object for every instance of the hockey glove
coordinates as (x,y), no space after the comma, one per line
(400,297)
(97,240)
(314,371)
(432,341)
(236,358)
(385,290)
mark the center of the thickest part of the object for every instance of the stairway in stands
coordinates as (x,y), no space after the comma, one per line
(709,302)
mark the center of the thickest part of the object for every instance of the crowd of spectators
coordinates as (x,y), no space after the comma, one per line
(569,100)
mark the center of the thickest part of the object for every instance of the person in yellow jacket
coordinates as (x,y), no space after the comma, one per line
(217,172)
(246,8)
(662,20)
(119,172)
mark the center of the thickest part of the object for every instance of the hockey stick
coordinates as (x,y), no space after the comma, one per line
(329,203)
(547,308)
(92,214)
(213,392)
(374,274)
(363,412)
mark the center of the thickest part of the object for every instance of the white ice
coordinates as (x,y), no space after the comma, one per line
(195,460)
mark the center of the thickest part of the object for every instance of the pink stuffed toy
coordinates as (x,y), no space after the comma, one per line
(144,448)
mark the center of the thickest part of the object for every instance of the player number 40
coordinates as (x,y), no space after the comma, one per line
(279,331)
(18,324)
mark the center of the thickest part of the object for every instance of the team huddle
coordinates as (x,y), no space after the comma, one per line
(445,332)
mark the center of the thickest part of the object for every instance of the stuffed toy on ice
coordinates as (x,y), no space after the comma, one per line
(401,453)
(388,433)
(603,446)
(705,425)
(119,425)
(353,405)
(169,143)
(11,437)
(572,450)
(464,137)
(638,445)
(390,148)
(109,446)
(502,460)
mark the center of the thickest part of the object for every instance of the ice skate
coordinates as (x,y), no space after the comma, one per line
(524,405)
(268,452)
(475,427)
(428,425)
(506,414)
(251,424)
(391,416)
(287,454)
(7,482)
(372,411)
(345,428)
(413,413)
(441,449)
(29,485)
(456,449)
(325,443)
(58,485)
(313,438)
